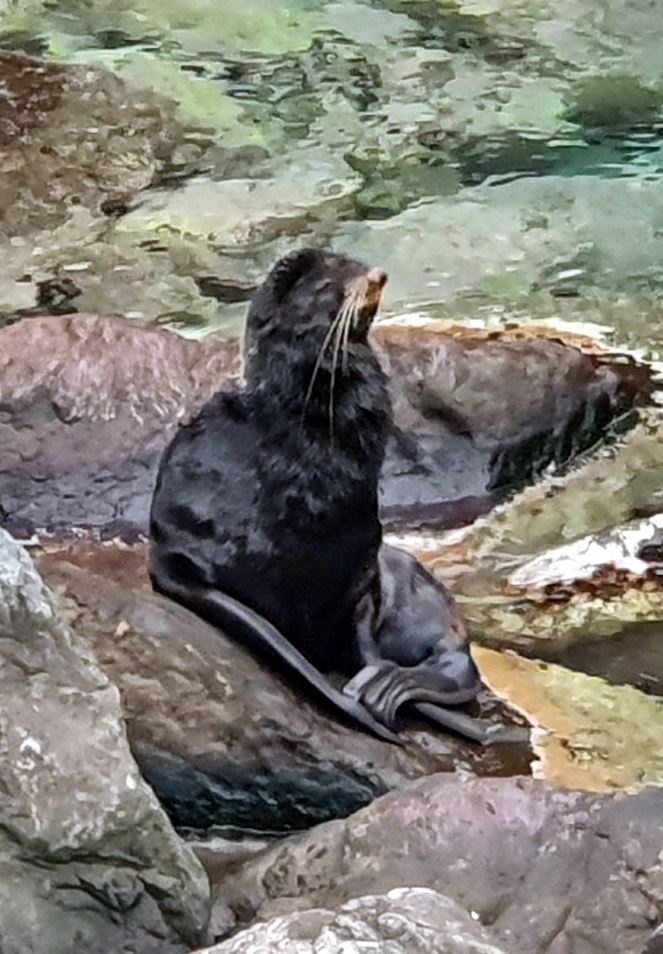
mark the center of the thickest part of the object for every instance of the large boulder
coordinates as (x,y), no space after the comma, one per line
(89,859)
(223,739)
(404,921)
(548,870)
(87,404)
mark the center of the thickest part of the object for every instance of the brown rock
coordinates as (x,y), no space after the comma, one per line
(549,870)
(88,403)
(73,137)
(223,740)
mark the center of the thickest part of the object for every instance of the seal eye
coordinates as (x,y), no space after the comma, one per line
(287,271)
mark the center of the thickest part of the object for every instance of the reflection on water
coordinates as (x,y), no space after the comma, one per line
(485,152)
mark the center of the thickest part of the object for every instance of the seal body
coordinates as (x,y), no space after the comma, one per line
(265,513)
(250,503)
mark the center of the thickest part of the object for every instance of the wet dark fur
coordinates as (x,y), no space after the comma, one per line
(265,514)
(264,498)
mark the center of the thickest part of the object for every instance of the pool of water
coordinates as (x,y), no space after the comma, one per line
(499,159)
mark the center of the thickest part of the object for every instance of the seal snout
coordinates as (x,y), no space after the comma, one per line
(375,280)
(377,277)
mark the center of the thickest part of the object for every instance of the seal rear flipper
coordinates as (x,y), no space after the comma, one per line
(225,612)
(385,687)
(478,730)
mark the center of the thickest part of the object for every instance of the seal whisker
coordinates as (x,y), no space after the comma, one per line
(321,354)
(345,321)
(354,310)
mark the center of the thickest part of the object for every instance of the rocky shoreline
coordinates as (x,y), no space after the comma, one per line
(228,746)
(89,402)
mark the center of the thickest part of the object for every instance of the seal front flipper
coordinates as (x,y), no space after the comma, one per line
(253,629)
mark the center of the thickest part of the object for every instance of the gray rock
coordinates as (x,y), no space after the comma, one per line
(404,921)
(89,860)
(223,739)
(550,870)
(655,945)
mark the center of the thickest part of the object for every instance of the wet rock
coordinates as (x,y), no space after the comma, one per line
(88,855)
(479,414)
(625,548)
(222,739)
(86,410)
(583,591)
(545,869)
(588,734)
(633,656)
(403,921)
(88,403)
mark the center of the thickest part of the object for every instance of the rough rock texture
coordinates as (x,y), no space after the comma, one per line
(63,146)
(86,406)
(404,921)
(89,860)
(88,403)
(548,870)
(222,739)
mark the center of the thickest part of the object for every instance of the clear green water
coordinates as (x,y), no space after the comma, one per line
(501,158)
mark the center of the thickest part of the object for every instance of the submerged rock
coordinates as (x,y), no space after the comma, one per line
(588,734)
(88,403)
(403,921)
(76,145)
(88,856)
(240,210)
(544,869)
(223,739)
(501,242)
(73,137)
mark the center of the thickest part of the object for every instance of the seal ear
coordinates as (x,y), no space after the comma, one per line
(288,270)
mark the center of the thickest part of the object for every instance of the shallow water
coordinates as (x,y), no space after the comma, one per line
(497,158)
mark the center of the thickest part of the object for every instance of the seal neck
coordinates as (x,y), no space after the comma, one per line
(289,374)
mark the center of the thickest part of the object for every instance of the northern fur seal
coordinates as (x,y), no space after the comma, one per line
(265,514)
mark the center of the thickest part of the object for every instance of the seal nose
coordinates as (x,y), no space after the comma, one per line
(377,276)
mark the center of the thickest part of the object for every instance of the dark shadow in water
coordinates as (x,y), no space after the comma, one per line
(634,657)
